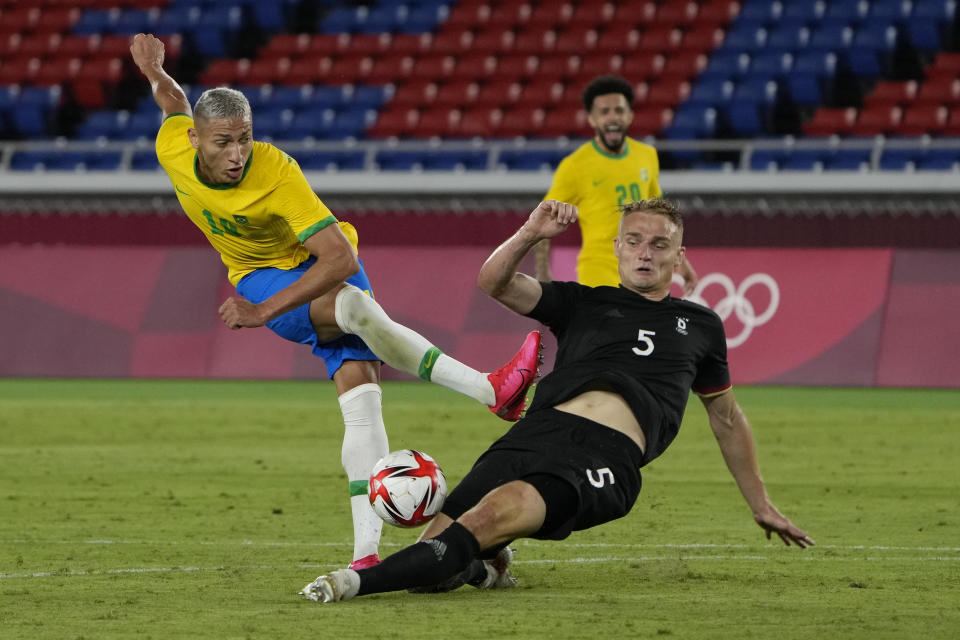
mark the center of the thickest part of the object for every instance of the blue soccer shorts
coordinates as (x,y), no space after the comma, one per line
(295,324)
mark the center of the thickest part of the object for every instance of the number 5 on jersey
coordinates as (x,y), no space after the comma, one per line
(644,339)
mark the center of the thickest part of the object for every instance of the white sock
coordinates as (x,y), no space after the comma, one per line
(404,349)
(364,442)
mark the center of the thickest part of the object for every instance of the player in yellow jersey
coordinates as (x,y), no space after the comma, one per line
(297,271)
(599,177)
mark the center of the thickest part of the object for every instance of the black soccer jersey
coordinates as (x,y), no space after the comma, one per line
(651,352)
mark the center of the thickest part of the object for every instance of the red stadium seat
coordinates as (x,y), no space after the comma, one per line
(600,63)
(414,94)
(457,93)
(351,68)
(702,38)
(9,45)
(500,93)
(592,14)
(56,72)
(327,44)
(946,66)
(565,121)
(496,40)
(285,45)
(674,12)
(939,90)
(225,71)
(433,67)
(436,122)
(924,119)
(450,42)
(411,44)
(830,121)
(890,93)
(520,121)
(551,15)
(634,13)
(641,66)
(649,121)
(372,44)
(21,19)
(19,70)
(78,46)
(540,92)
(389,69)
(559,67)
(115,46)
(517,66)
(479,122)
(535,42)
(579,40)
(478,66)
(511,15)
(953,124)
(56,19)
(684,65)
(42,45)
(394,123)
(667,92)
(620,37)
(267,71)
(717,11)
(884,119)
(660,40)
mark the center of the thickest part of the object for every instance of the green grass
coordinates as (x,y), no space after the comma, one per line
(185,509)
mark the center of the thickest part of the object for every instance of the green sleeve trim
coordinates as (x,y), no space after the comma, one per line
(309,231)
(176,114)
(429,359)
(358,487)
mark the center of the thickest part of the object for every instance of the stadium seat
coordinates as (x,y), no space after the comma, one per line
(391,160)
(144,161)
(848,160)
(891,92)
(939,160)
(923,119)
(457,93)
(883,119)
(939,90)
(394,123)
(330,160)
(455,161)
(565,121)
(520,121)
(522,160)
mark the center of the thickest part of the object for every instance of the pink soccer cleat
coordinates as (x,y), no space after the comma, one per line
(365,562)
(512,380)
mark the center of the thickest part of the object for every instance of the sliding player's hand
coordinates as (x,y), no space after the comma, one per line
(774,522)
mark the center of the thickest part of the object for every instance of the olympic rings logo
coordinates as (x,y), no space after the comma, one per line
(736,302)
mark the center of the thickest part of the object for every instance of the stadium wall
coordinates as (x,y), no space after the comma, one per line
(799,316)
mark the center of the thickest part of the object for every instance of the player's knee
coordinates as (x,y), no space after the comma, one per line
(513,510)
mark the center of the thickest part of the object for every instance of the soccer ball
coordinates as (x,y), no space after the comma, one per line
(407,488)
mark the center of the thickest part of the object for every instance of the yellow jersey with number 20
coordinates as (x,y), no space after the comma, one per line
(598,183)
(261,221)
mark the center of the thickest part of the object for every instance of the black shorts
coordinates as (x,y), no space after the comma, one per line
(586,473)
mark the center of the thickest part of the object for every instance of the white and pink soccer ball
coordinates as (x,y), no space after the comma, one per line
(407,488)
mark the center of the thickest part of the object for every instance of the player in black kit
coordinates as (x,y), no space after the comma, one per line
(626,362)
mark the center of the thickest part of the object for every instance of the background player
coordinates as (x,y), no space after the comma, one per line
(599,177)
(627,360)
(298,273)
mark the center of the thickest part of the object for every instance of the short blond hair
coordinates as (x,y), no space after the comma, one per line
(658,205)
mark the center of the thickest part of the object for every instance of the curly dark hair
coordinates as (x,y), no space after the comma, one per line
(603,85)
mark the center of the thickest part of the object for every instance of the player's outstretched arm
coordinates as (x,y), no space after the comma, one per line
(148,54)
(736,442)
(498,276)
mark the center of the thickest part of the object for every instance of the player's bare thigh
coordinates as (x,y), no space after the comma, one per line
(323,315)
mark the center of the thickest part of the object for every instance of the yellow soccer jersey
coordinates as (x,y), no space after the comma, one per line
(259,222)
(598,183)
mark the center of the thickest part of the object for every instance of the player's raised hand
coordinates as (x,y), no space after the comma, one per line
(147,51)
(551,218)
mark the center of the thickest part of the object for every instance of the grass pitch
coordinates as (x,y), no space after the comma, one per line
(189,509)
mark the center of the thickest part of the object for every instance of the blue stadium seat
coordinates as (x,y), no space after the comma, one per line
(726,65)
(521,160)
(762,11)
(133,21)
(756,89)
(142,125)
(822,64)
(30,160)
(32,114)
(803,10)
(144,161)
(831,37)
(101,160)
(848,160)
(804,89)
(864,62)
(423,18)
(788,38)
(350,123)
(880,36)
(773,64)
(176,20)
(925,34)
(744,119)
(804,159)
(324,97)
(451,160)
(939,160)
(284,97)
(745,37)
(766,159)
(898,159)
(892,10)
(340,20)
(382,19)
(272,123)
(324,160)
(937,9)
(711,92)
(92,22)
(400,160)
(849,12)
(105,123)
(691,122)
(309,123)
(364,97)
